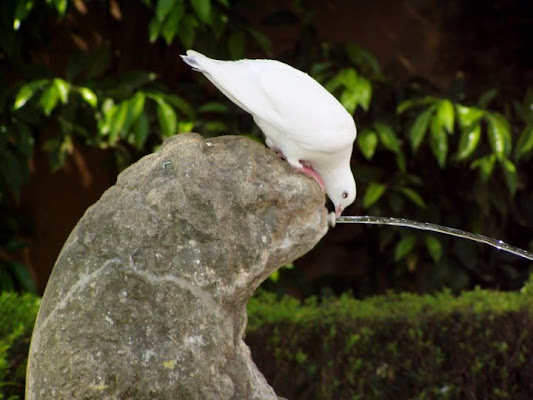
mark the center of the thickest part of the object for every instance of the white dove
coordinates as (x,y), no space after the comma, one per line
(299,117)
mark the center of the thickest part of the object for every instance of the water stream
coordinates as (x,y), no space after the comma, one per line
(366,219)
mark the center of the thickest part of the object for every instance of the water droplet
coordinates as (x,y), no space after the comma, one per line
(166,164)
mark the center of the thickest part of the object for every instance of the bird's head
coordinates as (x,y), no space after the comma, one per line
(341,190)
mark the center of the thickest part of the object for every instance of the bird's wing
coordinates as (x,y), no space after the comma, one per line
(281,97)
(236,79)
(306,111)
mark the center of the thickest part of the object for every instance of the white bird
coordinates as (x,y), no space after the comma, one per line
(299,117)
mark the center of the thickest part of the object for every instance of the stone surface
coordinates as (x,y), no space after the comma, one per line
(147,299)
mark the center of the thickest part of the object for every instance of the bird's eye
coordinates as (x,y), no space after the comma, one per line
(344,195)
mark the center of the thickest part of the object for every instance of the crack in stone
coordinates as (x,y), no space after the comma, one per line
(201,294)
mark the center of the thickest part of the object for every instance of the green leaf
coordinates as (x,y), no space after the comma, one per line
(346,77)
(438,141)
(401,162)
(186,126)
(387,137)
(163,8)
(419,128)
(48,99)
(434,247)
(524,145)
(154,29)
(413,196)
(179,103)
(349,99)
(410,103)
(468,141)
(216,126)
(364,90)
(27,91)
(213,107)
(117,120)
(357,89)
(167,118)
(509,172)
(367,141)
(373,194)
(24,94)
(445,115)
(172,22)
(236,45)
(63,89)
(274,276)
(187,31)
(88,96)
(135,107)
(104,121)
(61,6)
(485,165)
(487,97)
(362,58)
(499,135)
(21,12)
(202,8)
(141,129)
(404,247)
(468,116)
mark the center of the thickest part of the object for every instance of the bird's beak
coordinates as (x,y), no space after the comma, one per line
(338,211)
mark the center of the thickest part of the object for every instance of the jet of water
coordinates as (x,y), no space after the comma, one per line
(366,219)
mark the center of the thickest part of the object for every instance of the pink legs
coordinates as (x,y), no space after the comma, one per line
(309,171)
(301,166)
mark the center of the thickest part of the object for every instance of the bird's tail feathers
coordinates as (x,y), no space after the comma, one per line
(190,59)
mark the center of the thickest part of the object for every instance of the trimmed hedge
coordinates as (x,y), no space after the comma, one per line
(478,345)
(17,317)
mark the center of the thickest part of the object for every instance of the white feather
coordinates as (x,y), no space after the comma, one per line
(297,115)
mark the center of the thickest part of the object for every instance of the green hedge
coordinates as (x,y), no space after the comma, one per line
(477,345)
(17,316)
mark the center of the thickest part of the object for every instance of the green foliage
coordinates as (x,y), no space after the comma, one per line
(117,116)
(478,145)
(17,317)
(352,89)
(373,193)
(197,20)
(426,155)
(439,117)
(433,155)
(92,103)
(398,346)
(385,347)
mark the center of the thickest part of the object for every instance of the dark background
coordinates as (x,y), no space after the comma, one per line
(442,46)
